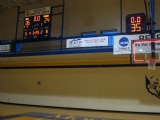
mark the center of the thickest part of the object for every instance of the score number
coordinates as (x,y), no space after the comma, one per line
(136,23)
(38,18)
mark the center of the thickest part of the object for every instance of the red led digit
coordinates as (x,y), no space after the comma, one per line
(37,32)
(27,23)
(138,27)
(33,33)
(36,18)
(133,27)
(138,19)
(132,20)
(30,33)
(41,32)
(47,20)
(46,31)
(25,33)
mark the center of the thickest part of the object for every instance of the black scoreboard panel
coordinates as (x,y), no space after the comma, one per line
(136,23)
(37,27)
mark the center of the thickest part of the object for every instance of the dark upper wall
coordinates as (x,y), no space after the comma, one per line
(80,16)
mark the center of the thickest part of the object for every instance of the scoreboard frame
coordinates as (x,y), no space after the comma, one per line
(37,24)
(136,23)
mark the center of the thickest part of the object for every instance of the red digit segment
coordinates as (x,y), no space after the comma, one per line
(133,27)
(25,33)
(33,33)
(36,18)
(132,19)
(30,33)
(27,23)
(46,31)
(138,27)
(138,19)
(36,32)
(46,20)
(41,32)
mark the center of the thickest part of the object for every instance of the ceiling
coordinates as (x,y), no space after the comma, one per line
(11,3)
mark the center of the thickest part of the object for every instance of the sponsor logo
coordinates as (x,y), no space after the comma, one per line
(27,13)
(124,42)
(75,43)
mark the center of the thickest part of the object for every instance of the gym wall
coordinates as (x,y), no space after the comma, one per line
(102,88)
(80,16)
(110,88)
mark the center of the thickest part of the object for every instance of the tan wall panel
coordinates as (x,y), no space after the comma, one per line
(121,88)
(0,26)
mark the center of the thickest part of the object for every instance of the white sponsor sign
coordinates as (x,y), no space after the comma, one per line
(4,48)
(145,47)
(38,11)
(122,43)
(87,42)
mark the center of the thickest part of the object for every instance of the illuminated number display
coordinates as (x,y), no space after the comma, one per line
(136,23)
(37,27)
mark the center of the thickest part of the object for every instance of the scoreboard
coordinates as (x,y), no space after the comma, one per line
(37,24)
(136,23)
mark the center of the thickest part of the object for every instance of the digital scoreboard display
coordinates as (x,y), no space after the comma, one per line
(37,24)
(136,23)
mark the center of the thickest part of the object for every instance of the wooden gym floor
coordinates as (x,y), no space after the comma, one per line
(14,112)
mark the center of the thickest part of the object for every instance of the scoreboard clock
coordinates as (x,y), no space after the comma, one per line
(37,24)
(136,23)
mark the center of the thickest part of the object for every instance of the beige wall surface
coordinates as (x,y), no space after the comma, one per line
(80,16)
(117,88)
